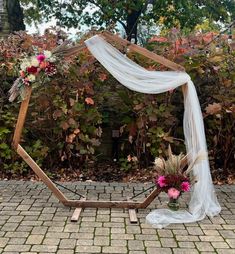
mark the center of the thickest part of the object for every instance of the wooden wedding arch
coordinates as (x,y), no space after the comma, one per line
(83,203)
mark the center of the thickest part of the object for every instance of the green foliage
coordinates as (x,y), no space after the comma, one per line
(125,164)
(66,116)
(106,13)
(62,127)
(213,72)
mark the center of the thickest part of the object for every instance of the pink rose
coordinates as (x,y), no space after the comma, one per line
(173,193)
(41,58)
(185,186)
(161,181)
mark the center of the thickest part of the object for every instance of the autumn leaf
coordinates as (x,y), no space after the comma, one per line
(71,121)
(70,138)
(216,59)
(56,114)
(95,142)
(153,118)
(214,108)
(139,106)
(89,101)
(76,131)
(98,132)
(102,77)
(65,126)
(89,89)
(121,130)
(71,102)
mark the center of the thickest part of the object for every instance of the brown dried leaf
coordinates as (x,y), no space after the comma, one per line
(64,125)
(139,106)
(102,76)
(76,131)
(70,138)
(71,121)
(214,108)
(71,102)
(95,142)
(56,114)
(153,118)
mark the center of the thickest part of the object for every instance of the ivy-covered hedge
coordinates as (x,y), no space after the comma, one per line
(66,115)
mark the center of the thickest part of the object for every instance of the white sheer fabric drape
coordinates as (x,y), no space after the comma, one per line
(203,199)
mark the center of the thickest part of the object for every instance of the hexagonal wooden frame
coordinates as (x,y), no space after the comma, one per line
(47,181)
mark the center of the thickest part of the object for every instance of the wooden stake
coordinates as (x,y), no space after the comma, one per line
(76,214)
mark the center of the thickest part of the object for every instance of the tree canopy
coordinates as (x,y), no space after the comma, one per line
(169,13)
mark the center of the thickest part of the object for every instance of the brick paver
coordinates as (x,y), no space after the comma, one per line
(33,221)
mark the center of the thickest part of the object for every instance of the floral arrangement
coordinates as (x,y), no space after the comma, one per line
(38,68)
(173,174)
(174,185)
(32,69)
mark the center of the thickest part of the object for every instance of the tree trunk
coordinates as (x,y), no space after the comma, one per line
(132,23)
(15,15)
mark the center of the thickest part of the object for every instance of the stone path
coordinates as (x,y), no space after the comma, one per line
(33,221)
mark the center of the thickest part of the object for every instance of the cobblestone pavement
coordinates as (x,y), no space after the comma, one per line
(33,221)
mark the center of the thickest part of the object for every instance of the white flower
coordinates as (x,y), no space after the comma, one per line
(52,59)
(31,78)
(34,62)
(47,53)
(25,63)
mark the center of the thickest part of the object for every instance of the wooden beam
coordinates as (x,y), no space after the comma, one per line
(159,59)
(102,204)
(150,198)
(133,216)
(76,213)
(39,172)
(21,119)
(82,203)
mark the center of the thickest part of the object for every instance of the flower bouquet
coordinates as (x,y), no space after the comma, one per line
(40,67)
(173,175)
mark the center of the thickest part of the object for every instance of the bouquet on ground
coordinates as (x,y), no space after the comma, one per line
(173,175)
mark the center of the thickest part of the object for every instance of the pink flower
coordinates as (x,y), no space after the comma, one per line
(173,193)
(41,58)
(185,186)
(161,181)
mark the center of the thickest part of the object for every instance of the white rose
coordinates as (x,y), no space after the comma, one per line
(24,65)
(34,62)
(47,53)
(31,78)
(52,59)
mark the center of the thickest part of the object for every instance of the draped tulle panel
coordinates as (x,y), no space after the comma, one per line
(203,200)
